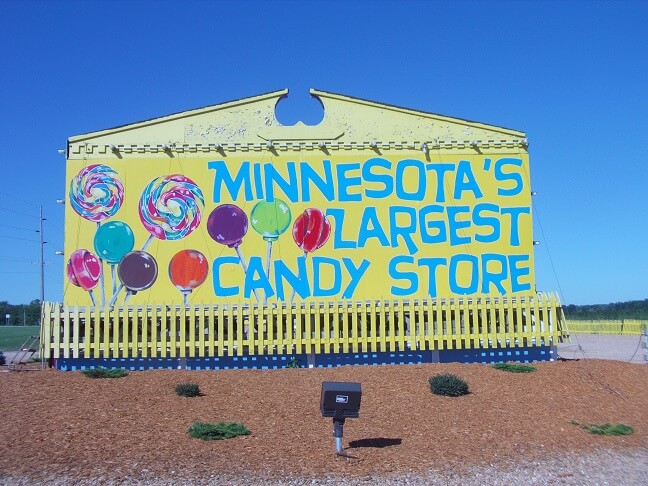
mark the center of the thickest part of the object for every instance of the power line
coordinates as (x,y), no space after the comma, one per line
(18,212)
(24,272)
(21,239)
(9,259)
(17,227)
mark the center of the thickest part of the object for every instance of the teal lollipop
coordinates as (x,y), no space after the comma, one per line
(270,220)
(111,242)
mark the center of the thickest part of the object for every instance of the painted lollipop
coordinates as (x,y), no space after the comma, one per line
(227,224)
(111,242)
(96,193)
(83,270)
(187,271)
(311,231)
(137,271)
(170,207)
(270,220)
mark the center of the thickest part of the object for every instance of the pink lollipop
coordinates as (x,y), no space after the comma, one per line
(84,270)
(311,231)
(170,207)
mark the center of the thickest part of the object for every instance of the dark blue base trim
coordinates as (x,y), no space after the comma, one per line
(499,355)
(485,356)
(374,358)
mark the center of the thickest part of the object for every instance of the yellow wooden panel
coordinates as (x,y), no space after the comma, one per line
(158,333)
(220,323)
(238,318)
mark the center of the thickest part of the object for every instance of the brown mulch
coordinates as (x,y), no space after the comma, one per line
(62,424)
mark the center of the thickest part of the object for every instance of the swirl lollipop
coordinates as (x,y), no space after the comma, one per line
(96,193)
(111,242)
(83,270)
(311,231)
(170,207)
(137,271)
(188,270)
(270,220)
(227,224)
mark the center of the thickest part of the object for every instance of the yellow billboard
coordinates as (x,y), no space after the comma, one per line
(358,225)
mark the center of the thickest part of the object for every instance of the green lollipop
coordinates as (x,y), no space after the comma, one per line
(270,220)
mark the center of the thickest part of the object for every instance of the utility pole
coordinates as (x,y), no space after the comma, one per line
(42,261)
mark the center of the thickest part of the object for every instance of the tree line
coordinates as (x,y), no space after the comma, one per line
(633,309)
(21,314)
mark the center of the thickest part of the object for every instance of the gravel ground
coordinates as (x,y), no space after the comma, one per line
(630,349)
(59,428)
(594,468)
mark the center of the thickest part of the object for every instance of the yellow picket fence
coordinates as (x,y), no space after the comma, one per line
(161,331)
(622,326)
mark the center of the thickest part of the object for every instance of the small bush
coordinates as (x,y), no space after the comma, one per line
(605,429)
(187,390)
(448,385)
(3,361)
(293,363)
(514,367)
(219,431)
(105,373)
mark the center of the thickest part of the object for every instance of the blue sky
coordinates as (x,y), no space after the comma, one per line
(572,75)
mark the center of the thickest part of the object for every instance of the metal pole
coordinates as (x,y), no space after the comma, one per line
(42,261)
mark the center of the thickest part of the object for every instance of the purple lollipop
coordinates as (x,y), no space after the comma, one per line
(227,224)
(137,271)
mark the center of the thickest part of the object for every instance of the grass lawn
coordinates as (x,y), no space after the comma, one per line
(12,337)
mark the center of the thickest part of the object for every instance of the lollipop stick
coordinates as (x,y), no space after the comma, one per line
(103,287)
(128,294)
(92,297)
(244,265)
(147,242)
(292,296)
(185,297)
(268,254)
(114,297)
(113,274)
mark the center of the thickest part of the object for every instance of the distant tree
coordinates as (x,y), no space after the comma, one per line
(634,309)
(28,314)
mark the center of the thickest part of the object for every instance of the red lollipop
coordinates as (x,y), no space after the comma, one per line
(84,270)
(311,230)
(187,270)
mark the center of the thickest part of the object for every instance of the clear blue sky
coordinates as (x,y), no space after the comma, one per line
(572,75)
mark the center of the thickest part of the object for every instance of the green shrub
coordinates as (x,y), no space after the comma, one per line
(514,367)
(187,390)
(3,361)
(105,373)
(219,431)
(605,429)
(448,385)
(293,363)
